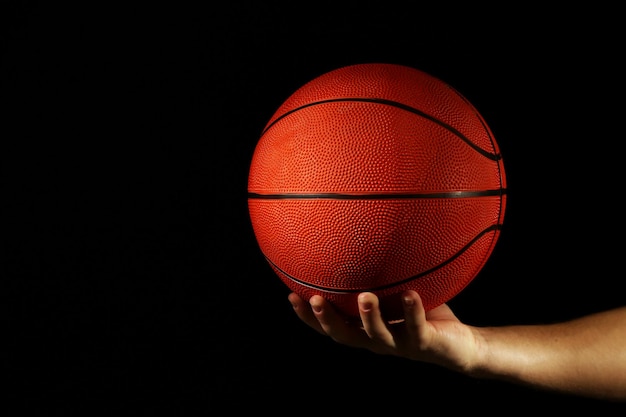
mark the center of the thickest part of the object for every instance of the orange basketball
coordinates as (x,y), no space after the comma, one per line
(376,177)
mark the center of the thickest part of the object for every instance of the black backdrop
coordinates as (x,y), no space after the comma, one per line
(131,271)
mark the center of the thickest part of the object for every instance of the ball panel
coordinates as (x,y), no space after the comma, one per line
(435,288)
(367,244)
(366,147)
(401,84)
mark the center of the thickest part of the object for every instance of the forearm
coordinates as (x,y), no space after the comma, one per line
(585,357)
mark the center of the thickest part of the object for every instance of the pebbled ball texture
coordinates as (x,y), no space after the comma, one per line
(376,177)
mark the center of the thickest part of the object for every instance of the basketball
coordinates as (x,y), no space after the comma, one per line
(376,177)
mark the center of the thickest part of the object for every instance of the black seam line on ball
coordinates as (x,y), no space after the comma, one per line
(490,229)
(489,155)
(387,196)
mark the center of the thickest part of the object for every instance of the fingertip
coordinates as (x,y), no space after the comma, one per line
(295,300)
(366,301)
(366,297)
(316,302)
(410,298)
(413,307)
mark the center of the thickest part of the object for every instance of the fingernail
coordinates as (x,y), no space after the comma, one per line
(408,301)
(366,306)
(316,308)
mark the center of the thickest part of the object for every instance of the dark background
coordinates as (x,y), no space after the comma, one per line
(132,278)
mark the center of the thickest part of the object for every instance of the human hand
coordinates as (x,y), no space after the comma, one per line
(436,336)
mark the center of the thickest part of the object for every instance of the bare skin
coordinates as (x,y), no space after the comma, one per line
(584,357)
